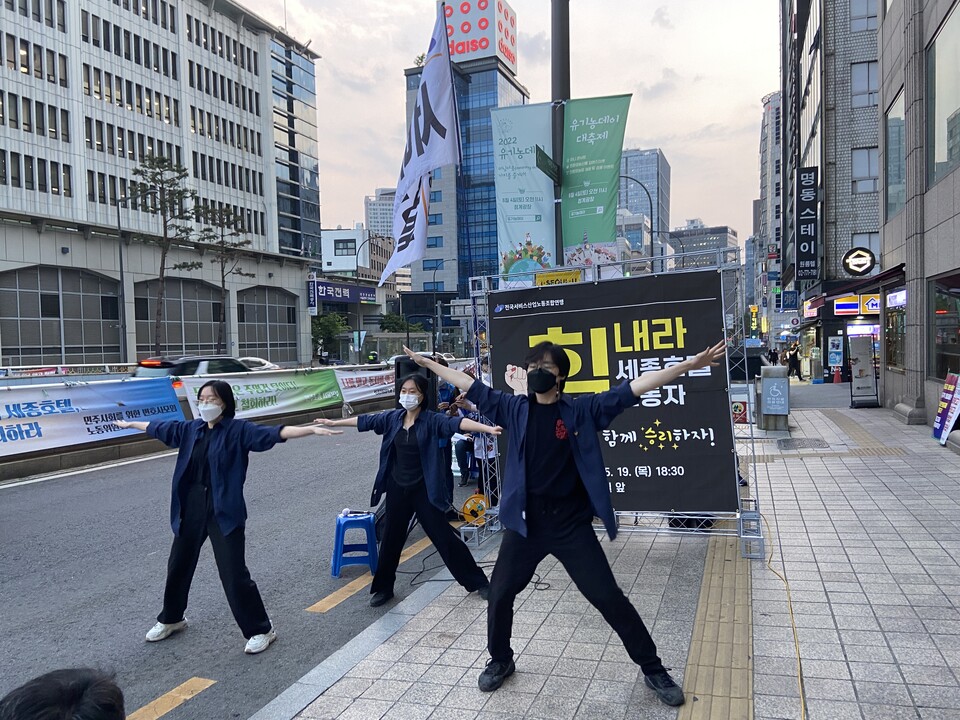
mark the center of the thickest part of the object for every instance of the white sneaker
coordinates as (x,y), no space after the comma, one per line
(161,631)
(259,643)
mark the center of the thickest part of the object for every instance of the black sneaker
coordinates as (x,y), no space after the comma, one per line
(484,592)
(665,688)
(380,598)
(494,674)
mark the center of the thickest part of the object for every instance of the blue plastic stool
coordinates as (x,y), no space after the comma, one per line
(360,521)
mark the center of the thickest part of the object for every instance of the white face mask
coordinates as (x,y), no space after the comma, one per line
(408,401)
(209,411)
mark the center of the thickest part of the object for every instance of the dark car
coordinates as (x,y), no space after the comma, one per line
(189,365)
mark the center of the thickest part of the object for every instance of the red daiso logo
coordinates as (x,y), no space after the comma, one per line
(462,47)
(507,52)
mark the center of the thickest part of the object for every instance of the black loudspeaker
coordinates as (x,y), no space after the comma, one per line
(404,367)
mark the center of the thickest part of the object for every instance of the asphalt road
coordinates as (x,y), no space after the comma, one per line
(83,560)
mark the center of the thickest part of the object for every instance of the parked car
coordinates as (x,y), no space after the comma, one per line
(259,364)
(188,365)
(449,357)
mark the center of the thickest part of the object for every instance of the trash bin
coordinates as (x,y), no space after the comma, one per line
(773,401)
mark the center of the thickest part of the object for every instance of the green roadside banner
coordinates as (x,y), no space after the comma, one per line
(262,394)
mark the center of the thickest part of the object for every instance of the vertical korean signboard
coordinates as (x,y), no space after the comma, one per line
(673,451)
(526,230)
(807,222)
(592,145)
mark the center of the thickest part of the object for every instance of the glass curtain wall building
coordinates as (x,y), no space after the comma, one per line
(651,168)
(295,144)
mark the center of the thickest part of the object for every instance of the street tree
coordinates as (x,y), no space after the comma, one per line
(223,232)
(396,323)
(327,328)
(171,201)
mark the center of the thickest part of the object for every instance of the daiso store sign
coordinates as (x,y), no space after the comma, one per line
(482,28)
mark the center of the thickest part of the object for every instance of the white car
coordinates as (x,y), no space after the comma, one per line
(257,364)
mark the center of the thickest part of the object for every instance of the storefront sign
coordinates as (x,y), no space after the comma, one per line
(45,417)
(863,386)
(337,292)
(946,409)
(807,224)
(870,304)
(673,451)
(789,300)
(859,261)
(311,294)
(897,299)
(834,351)
(847,305)
(808,310)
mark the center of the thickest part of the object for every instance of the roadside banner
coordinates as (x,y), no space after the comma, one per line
(526,228)
(44,417)
(262,394)
(356,385)
(593,131)
(947,409)
(671,452)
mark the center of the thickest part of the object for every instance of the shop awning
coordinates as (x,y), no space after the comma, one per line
(887,277)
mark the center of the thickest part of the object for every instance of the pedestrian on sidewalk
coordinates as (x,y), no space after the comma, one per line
(793,361)
(207,501)
(555,483)
(411,473)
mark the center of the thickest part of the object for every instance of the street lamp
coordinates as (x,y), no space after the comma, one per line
(122,298)
(433,343)
(650,201)
(356,270)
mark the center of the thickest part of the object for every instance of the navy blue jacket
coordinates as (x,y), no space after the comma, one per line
(583,417)
(431,427)
(231,440)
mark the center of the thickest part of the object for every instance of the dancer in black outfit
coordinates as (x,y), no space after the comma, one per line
(412,474)
(554,484)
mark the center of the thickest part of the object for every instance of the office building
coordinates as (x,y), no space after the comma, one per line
(651,168)
(699,244)
(90,89)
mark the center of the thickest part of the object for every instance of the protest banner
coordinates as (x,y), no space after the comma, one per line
(262,394)
(46,417)
(674,450)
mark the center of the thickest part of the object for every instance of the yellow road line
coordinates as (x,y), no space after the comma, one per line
(355,586)
(176,697)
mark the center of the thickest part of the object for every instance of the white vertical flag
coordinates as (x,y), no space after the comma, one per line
(433,140)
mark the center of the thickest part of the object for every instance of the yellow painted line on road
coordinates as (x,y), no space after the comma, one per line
(355,586)
(173,699)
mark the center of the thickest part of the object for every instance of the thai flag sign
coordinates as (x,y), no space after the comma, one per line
(433,140)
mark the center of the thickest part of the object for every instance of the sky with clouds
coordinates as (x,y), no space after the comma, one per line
(697,70)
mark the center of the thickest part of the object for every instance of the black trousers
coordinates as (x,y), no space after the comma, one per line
(402,503)
(196,524)
(572,540)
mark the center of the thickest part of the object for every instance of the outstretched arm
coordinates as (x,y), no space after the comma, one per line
(454,377)
(134,424)
(341,422)
(468,425)
(290,432)
(652,380)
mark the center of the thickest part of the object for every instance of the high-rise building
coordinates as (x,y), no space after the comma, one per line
(651,168)
(462,232)
(830,159)
(378,211)
(698,241)
(768,211)
(87,91)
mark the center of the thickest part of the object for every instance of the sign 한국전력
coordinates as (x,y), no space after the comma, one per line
(672,451)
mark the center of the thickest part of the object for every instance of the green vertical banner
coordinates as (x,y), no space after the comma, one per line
(592,145)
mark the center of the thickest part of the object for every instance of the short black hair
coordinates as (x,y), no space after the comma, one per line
(558,356)
(69,694)
(224,391)
(422,385)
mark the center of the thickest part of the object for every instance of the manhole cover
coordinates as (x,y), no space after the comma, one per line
(799,443)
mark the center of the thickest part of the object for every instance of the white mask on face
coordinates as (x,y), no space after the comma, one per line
(408,401)
(209,411)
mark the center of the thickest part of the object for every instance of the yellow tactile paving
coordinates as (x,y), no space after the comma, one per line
(718,680)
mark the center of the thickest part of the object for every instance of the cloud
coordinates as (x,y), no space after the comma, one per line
(536,48)
(660,18)
(664,86)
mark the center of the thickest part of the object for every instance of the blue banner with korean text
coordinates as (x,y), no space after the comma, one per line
(45,417)
(674,450)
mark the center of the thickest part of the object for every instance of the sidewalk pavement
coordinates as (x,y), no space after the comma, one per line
(864,528)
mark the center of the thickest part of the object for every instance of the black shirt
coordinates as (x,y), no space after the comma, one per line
(551,470)
(407,467)
(199,469)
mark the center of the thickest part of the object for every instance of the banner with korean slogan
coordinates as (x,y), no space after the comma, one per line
(592,145)
(674,450)
(433,140)
(526,227)
(356,385)
(263,394)
(45,417)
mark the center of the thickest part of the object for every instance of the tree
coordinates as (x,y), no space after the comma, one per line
(326,328)
(170,199)
(393,322)
(419,60)
(223,232)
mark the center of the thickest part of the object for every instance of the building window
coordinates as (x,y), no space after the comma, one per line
(943,100)
(945,327)
(895,336)
(871,241)
(433,286)
(865,169)
(435,219)
(863,15)
(434,241)
(864,84)
(895,159)
(436,196)
(432,264)
(190,321)
(267,324)
(345,248)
